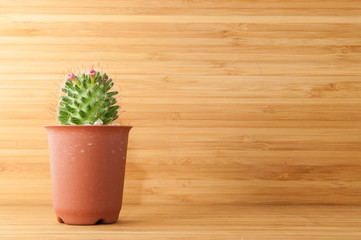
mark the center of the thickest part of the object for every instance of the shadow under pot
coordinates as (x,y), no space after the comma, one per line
(87,166)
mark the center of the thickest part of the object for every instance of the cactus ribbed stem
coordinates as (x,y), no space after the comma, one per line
(88,100)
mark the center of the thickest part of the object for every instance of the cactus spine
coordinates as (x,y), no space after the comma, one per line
(88,100)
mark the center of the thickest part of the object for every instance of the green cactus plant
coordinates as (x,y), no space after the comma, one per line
(88,100)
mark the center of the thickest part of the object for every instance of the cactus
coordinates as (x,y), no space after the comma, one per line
(87,100)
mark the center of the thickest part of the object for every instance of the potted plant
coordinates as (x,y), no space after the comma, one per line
(87,151)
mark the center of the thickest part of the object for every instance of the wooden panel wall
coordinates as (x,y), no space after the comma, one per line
(232,102)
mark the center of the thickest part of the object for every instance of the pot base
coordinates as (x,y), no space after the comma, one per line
(81,220)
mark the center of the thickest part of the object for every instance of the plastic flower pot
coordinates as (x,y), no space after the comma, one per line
(87,172)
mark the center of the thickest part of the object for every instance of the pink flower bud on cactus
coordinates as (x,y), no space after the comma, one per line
(105,79)
(92,74)
(72,77)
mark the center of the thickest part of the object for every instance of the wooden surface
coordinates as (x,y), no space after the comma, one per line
(232,102)
(208,222)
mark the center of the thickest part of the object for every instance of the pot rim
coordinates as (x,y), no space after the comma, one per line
(87,126)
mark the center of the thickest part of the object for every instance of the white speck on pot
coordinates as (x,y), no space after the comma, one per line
(123,157)
(90,144)
(121,142)
(82,151)
(113,151)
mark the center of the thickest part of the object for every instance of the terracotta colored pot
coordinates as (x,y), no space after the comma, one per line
(87,172)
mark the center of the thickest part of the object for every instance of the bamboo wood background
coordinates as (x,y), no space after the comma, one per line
(194,222)
(232,102)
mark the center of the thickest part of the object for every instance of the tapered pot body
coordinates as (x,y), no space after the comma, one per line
(87,172)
